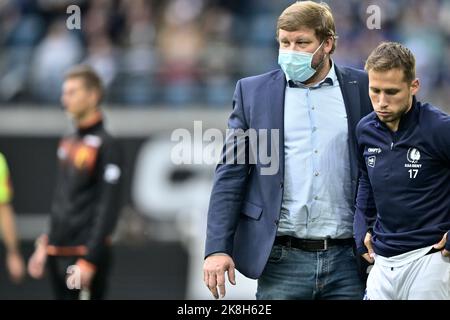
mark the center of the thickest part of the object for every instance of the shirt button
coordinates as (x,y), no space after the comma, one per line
(316,174)
(316,151)
(313,108)
(316,198)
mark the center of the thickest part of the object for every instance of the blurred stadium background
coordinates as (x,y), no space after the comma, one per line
(165,64)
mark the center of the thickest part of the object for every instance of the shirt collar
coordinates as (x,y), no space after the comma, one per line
(91,126)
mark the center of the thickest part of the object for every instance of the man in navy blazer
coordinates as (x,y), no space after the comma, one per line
(292,228)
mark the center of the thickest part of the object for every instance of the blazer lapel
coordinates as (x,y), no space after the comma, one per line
(350,92)
(276,88)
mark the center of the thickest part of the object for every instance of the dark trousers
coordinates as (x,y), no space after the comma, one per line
(57,267)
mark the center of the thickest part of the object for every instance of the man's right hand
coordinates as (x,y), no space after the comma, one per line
(36,264)
(214,270)
(368,243)
(16,266)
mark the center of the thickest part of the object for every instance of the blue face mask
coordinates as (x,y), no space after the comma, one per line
(297,65)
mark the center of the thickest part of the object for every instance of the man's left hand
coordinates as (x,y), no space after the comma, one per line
(441,244)
(87,273)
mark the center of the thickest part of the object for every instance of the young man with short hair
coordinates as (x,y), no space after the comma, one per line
(85,206)
(403,202)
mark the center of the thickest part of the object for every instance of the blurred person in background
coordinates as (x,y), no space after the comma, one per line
(180,42)
(55,54)
(14,260)
(293,231)
(85,206)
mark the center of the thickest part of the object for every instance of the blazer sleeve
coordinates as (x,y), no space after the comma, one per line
(230,182)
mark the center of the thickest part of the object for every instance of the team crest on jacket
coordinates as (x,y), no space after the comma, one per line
(413,155)
(371,161)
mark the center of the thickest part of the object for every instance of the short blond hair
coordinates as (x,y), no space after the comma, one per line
(392,55)
(91,79)
(311,15)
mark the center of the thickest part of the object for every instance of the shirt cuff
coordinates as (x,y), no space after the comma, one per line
(218,254)
(361,250)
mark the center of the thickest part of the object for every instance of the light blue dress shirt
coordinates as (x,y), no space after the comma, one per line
(317,200)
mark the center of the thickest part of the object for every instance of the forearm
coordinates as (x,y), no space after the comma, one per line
(106,217)
(7,223)
(106,206)
(365,214)
(224,207)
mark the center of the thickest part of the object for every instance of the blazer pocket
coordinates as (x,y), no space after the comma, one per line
(251,210)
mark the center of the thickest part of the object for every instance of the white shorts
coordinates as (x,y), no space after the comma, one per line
(414,275)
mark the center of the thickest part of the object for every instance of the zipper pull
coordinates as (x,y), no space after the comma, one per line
(392,145)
